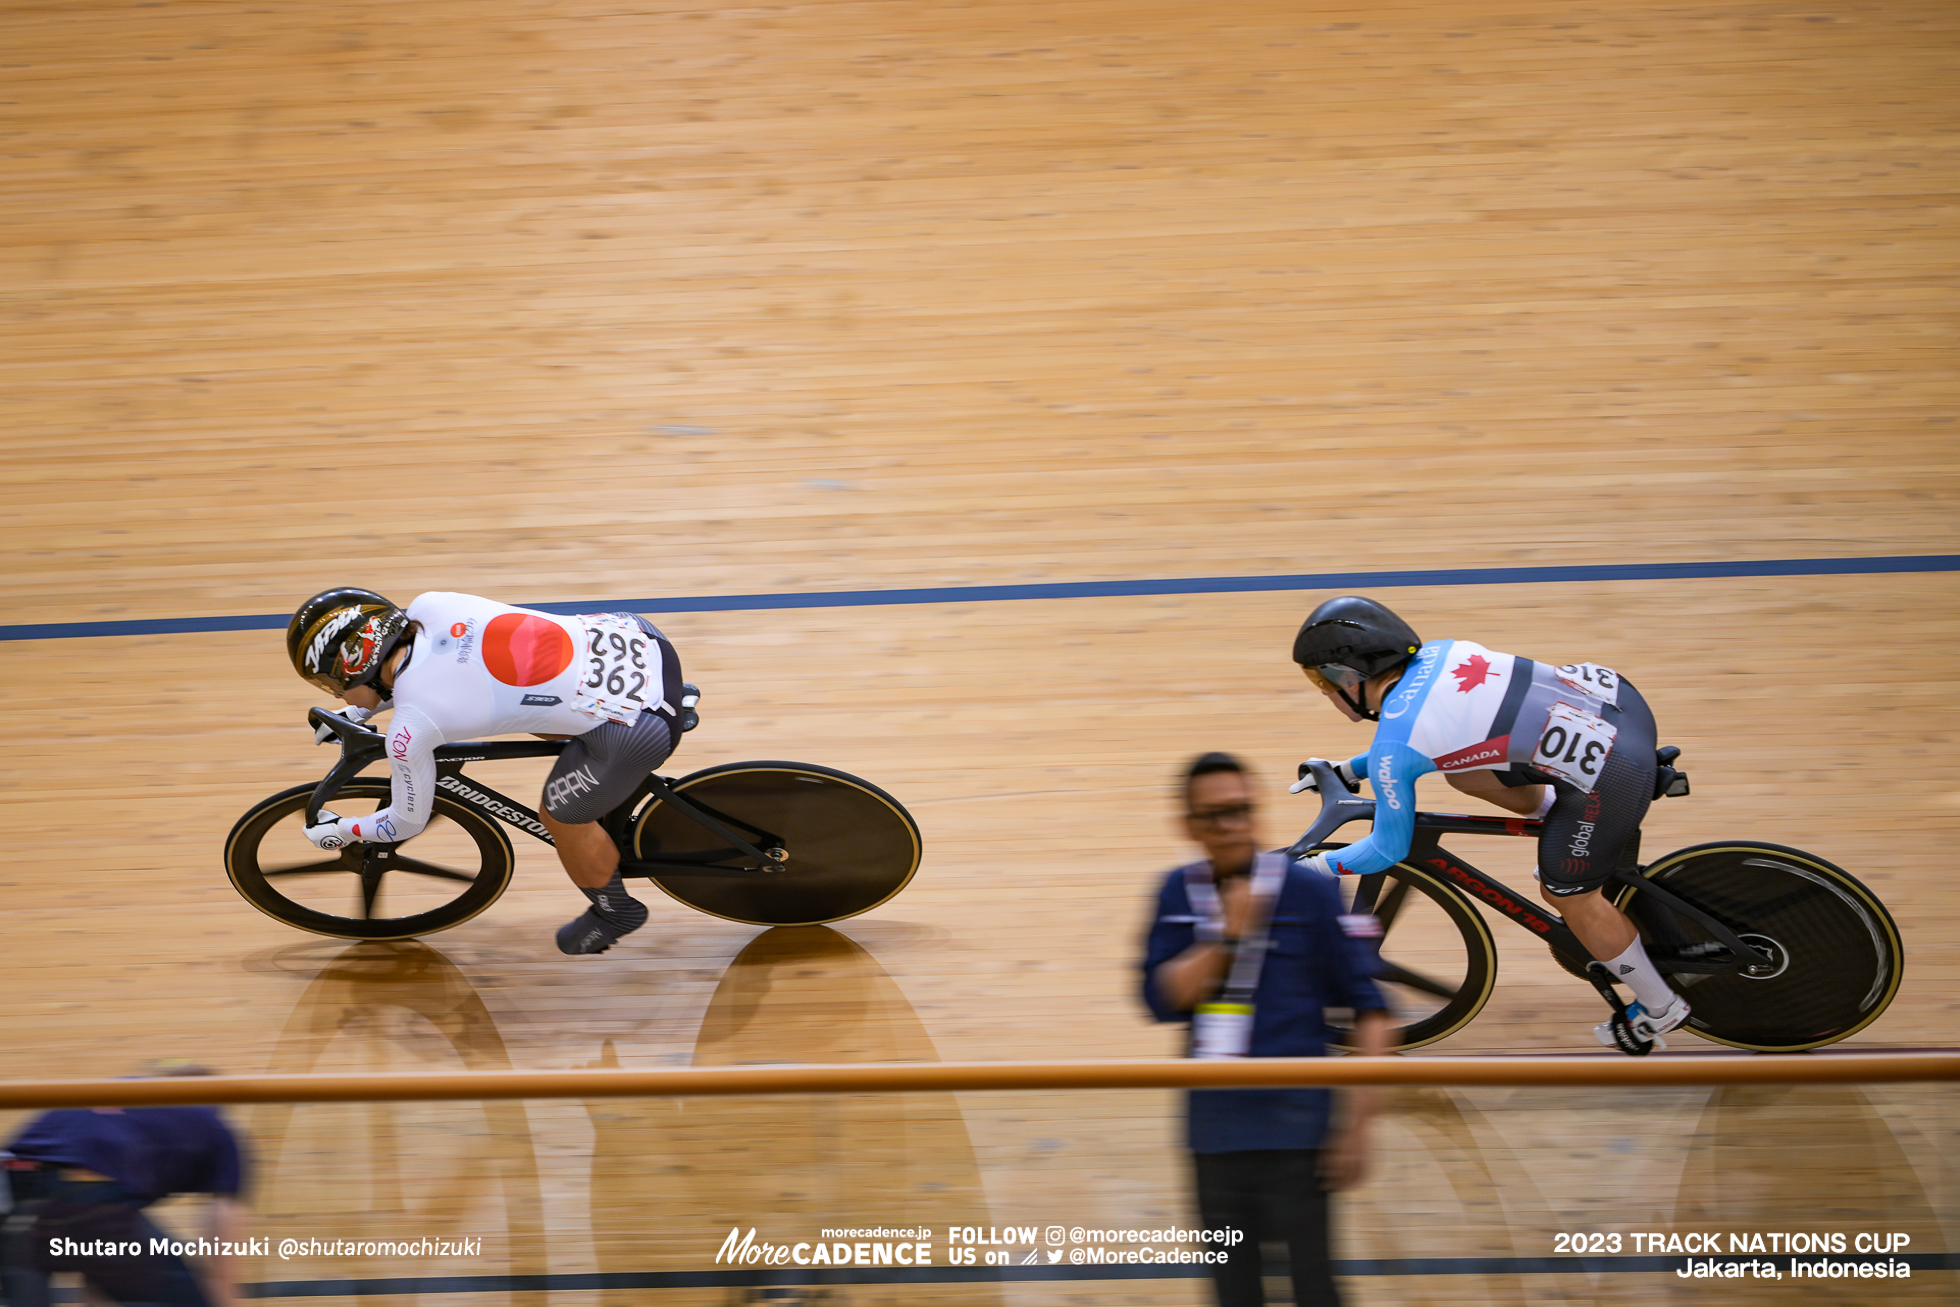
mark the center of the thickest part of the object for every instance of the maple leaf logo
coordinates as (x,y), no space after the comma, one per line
(1471,673)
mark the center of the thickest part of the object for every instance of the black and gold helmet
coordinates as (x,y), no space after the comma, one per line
(340,638)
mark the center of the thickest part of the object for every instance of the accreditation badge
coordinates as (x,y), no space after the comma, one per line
(1221,1030)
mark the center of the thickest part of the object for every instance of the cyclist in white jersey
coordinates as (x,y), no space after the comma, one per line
(1572,745)
(456,667)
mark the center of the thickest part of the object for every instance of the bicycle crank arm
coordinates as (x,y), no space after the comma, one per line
(1623,1037)
(1596,975)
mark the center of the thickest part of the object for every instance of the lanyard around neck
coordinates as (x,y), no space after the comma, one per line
(1268,874)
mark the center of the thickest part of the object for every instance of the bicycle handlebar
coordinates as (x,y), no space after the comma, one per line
(341,726)
(359,746)
(1334,812)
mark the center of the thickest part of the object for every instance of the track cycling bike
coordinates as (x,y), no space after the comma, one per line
(1776,949)
(764,843)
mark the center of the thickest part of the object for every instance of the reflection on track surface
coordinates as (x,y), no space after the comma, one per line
(787,1167)
(396,1171)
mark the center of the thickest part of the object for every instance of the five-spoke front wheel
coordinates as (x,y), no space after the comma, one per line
(454,869)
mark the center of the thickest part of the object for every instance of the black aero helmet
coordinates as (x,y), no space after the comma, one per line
(1350,639)
(340,638)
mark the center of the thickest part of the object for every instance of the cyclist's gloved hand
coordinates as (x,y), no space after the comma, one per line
(1322,864)
(327,834)
(1349,777)
(325,734)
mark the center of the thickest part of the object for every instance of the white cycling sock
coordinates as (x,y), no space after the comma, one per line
(1649,985)
(1545,805)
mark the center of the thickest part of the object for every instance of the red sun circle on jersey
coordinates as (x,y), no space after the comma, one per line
(458,629)
(519,649)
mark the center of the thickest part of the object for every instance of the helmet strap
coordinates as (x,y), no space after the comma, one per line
(1360,706)
(381,678)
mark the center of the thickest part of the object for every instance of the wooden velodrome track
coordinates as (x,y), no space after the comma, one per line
(553,300)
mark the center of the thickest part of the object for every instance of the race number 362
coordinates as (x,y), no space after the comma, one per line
(1575,746)
(618,669)
(617,663)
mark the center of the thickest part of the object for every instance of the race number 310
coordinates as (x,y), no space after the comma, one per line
(1575,745)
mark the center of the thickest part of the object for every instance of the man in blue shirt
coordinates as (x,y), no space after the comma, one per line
(78,1181)
(1269,939)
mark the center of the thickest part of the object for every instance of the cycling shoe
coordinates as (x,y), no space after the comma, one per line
(590,932)
(1639,1031)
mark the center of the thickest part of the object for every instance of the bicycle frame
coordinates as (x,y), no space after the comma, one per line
(1427,851)
(362,748)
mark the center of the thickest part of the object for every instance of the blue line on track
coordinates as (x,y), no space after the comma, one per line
(1177,585)
(1483,1266)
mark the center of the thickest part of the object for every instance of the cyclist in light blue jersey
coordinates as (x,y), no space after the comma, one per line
(1571,745)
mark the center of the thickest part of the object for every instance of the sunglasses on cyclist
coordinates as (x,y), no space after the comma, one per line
(1341,675)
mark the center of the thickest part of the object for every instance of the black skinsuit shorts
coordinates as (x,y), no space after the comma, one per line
(1587,835)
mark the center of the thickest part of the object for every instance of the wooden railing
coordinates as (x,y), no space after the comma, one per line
(913,1077)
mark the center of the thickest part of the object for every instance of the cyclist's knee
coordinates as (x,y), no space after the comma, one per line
(1563,897)
(1559,890)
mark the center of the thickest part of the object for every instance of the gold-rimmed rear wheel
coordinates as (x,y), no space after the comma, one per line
(847,845)
(1835,958)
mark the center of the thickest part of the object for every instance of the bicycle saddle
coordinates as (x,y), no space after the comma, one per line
(1669,781)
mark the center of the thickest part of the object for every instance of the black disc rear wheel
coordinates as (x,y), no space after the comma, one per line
(1835,956)
(458,866)
(849,846)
